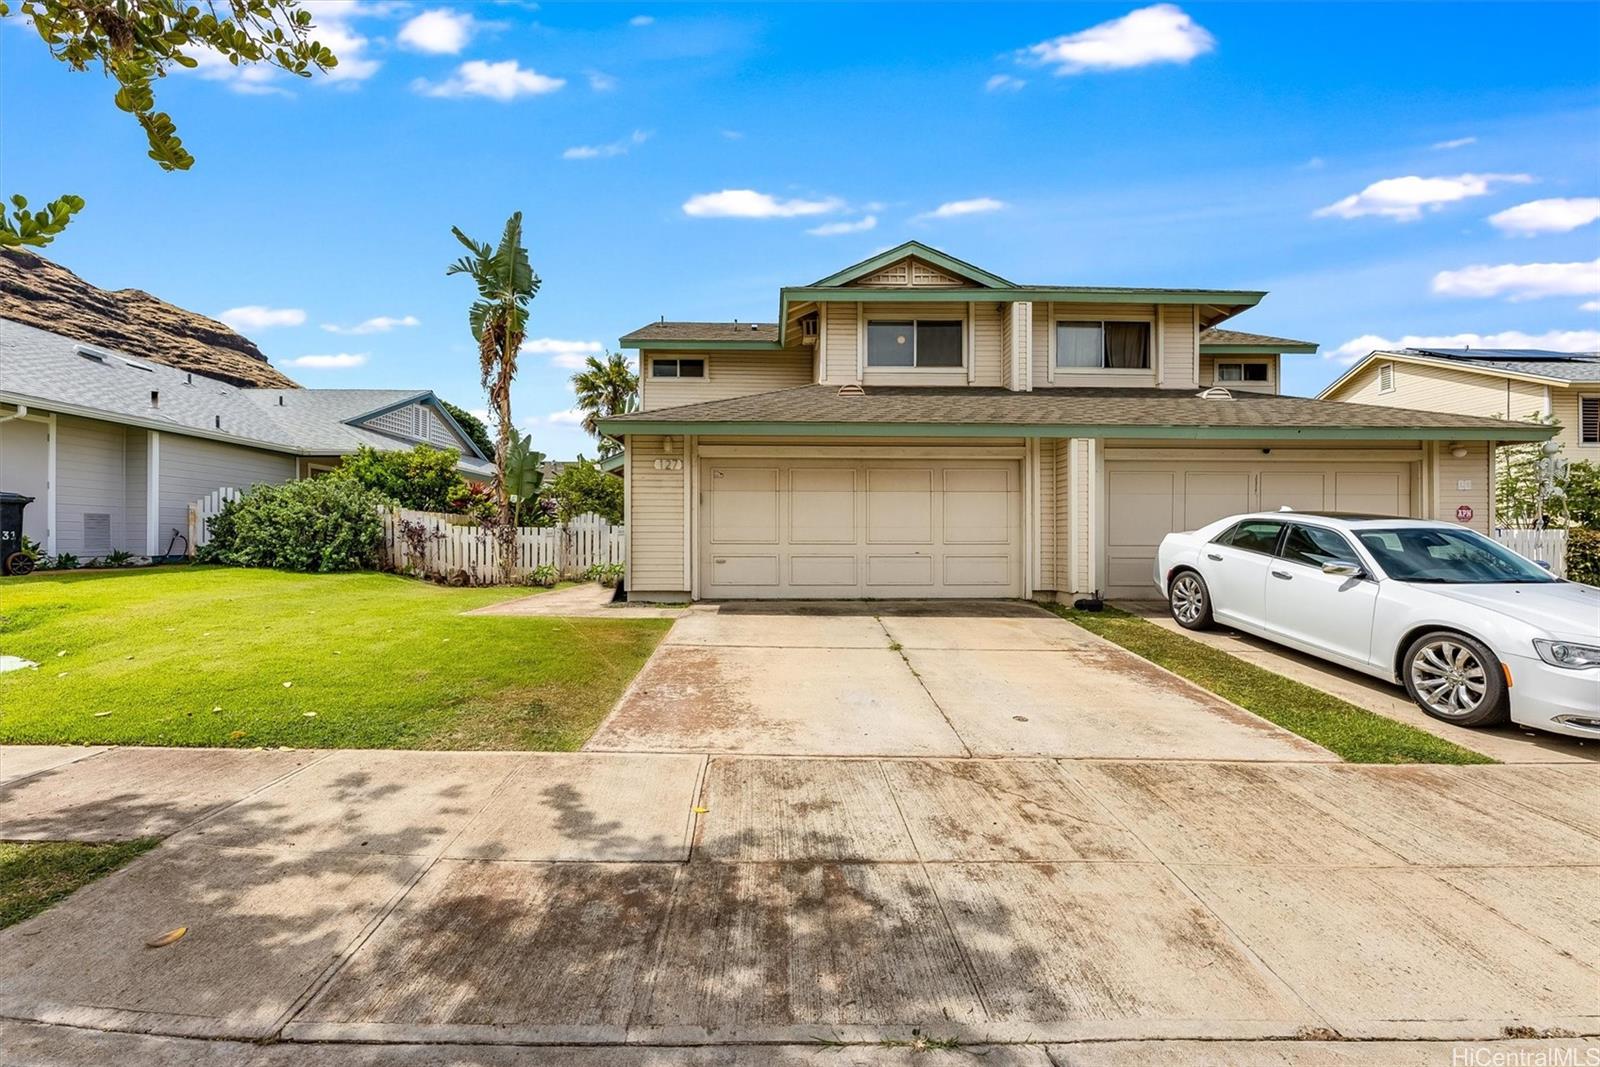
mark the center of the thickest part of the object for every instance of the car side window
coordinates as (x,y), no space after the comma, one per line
(1314,546)
(1255,535)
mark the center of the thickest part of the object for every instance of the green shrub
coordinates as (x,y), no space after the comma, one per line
(318,525)
(1583,555)
(582,487)
(1582,488)
(544,575)
(422,479)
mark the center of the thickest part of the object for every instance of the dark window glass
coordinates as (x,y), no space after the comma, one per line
(1079,344)
(1241,372)
(1315,546)
(663,368)
(691,368)
(890,344)
(1128,345)
(1255,535)
(938,344)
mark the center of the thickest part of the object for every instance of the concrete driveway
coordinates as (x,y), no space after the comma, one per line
(921,678)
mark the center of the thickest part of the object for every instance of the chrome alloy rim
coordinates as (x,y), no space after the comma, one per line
(1448,678)
(1188,598)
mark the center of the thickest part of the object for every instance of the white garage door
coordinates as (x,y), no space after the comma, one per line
(1145,501)
(860,528)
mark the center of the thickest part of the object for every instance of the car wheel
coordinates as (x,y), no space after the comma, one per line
(1457,679)
(1190,601)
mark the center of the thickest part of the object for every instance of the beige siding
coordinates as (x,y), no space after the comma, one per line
(1463,481)
(1208,373)
(1180,347)
(1363,389)
(841,340)
(1007,346)
(728,374)
(1045,525)
(655,516)
(1425,387)
(1062,450)
(1082,493)
(910,272)
(988,354)
(1564,406)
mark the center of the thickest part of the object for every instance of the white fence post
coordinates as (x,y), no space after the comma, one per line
(1547,546)
(448,545)
(202,511)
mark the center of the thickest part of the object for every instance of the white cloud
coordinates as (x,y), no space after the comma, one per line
(1459,142)
(1161,33)
(1589,305)
(333,361)
(439,32)
(330,26)
(379,324)
(834,229)
(505,80)
(251,79)
(1520,281)
(600,81)
(733,135)
(607,151)
(641,20)
(749,204)
(1555,215)
(980,205)
(1553,340)
(257,317)
(570,417)
(1003,83)
(1405,199)
(568,354)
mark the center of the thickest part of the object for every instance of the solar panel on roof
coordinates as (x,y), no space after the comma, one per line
(1524,354)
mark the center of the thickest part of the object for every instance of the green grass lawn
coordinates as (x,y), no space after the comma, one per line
(1353,733)
(195,655)
(36,874)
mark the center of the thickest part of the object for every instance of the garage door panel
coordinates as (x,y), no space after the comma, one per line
(822,505)
(899,505)
(977,570)
(744,505)
(1372,492)
(1209,495)
(1144,502)
(823,571)
(1300,490)
(900,571)
(745,571)
(977,506)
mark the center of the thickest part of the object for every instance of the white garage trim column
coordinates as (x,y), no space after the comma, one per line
(1097,487)
(50,485)
(1030,511)
(152,504)
(691,544)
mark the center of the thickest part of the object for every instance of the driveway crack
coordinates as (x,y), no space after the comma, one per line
(899,650)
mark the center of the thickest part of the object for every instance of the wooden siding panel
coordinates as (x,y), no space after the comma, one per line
(1180,347)
(91,466)
(728,374)
(192,467)
(1063,517)
(1464,481)
(841,341)
(1045,521)
(655,516)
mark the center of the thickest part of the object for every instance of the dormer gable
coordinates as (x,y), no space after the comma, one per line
(912,265)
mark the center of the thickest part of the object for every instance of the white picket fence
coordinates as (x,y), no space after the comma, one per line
(1547,546)
(447,545)
(202,511)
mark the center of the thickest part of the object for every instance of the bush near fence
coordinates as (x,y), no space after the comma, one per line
(433,544)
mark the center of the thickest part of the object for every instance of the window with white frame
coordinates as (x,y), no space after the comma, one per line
(1386,378)
(936,344)
(1242,372)
(1102,345)
(677,368)
(1589,420)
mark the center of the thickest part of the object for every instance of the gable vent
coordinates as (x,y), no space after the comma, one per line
(1216,392)
(852,390)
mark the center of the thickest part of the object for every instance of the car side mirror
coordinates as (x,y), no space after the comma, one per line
(1342,568)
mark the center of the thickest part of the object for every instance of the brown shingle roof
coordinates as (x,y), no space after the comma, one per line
(703,331)
(1056,407)
(1214,336)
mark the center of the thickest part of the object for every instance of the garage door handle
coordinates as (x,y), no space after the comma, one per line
(1213,555)
(1285,575)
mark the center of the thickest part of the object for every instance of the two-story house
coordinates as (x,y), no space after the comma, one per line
(1514,383)
(916,426)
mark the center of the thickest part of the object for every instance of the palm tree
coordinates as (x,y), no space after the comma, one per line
(605,387)
(499,318)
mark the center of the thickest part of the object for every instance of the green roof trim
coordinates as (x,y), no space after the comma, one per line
(1057,293)
(622,425)
(1254,350)
(921,251)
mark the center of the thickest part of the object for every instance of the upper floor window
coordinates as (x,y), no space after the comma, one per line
(915,343)
(1589,420)
(1103,345)
(677,368)
(1241,372)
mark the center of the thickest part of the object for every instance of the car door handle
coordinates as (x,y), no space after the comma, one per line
(1285,575)
(1213,555)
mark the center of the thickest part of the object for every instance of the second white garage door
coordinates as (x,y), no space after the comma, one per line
(860,528)
(1147,500)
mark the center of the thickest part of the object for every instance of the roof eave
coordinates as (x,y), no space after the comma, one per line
(1307,348)
(680,345)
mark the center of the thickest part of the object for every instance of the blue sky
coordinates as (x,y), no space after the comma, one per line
(1367,164)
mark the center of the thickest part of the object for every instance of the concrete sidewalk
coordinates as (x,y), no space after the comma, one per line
(679,900)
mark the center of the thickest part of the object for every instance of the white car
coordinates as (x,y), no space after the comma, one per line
(1476,633)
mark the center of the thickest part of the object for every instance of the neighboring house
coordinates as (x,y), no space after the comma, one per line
(1508,383)
(916,426)
(114,449)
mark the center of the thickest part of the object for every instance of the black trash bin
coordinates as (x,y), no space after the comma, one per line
(12,561)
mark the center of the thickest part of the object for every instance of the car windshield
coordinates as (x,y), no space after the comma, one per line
(1430,554)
